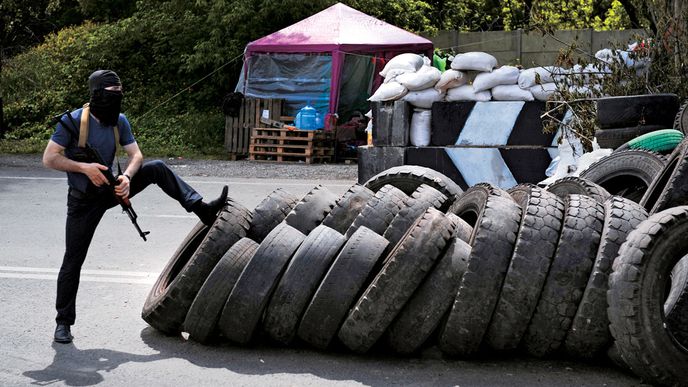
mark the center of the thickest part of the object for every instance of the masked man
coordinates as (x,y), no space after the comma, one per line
(89,195)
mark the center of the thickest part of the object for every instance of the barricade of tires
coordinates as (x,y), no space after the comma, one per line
(409,261)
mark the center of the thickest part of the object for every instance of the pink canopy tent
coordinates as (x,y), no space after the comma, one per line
(340,30)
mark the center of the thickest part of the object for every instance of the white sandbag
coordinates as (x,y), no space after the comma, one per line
(597,71)
(451,78)
(423,98)
(586,90)
(422,79)
(427,61)
(505,75)
(420,127)
(394,73)
(479,61)
(544,91)
(389,92)
(410,62)
(511,93)
(539,75)
(466,93)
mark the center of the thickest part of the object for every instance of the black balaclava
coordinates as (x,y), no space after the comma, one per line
(105,104)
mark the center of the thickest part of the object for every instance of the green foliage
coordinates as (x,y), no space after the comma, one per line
(564,14)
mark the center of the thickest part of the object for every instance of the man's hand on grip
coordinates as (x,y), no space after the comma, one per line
(92,171)
(122,189)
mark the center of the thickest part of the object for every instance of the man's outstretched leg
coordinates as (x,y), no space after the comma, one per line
(157,172)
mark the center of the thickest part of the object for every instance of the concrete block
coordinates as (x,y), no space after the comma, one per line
(391,123)
(375,159)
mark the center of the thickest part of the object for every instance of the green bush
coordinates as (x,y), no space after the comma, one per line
(52,78)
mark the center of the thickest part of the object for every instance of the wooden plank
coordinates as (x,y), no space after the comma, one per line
(257,112)
(240,126)
(227,130)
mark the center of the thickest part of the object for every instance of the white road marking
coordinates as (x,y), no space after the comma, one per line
(53,277)
(84,271)
(228,182)
(109,276)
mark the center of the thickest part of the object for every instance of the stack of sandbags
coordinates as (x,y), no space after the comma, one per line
(474,62)
(392,90)
(540,81)
(585,80)
(412,78)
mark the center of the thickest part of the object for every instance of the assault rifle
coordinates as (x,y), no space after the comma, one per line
(88,154)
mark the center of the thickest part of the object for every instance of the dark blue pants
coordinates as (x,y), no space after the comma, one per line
(84,212)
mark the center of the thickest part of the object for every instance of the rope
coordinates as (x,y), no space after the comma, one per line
(192,85)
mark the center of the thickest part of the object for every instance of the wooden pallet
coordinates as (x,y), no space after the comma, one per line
(282,145)
(286,134)
(290,159)
(238,129)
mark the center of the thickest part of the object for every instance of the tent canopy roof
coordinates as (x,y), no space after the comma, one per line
(339,28)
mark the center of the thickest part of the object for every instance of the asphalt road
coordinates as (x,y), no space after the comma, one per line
(114,346)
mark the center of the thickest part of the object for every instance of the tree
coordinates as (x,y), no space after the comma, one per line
(24,24)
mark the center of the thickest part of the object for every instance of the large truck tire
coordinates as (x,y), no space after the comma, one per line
(311,210)
(632,110)
(589,333)
(577,185)
(201,320)
(423,313)
(407,266)
(567,276)
(638,288)
(409,177)
(496,226)
(340,287)
(536,243)
(379,211)
(300,280)
(270,212)
(626,173)
(347,208)
(247,301)
(174,291)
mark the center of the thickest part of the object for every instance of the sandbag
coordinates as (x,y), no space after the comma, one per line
(539,75)
(422,79)
(466,93)
(451,78)
(407,61)
(505,75)
(420,127)
(511,93)
(394,73)
(423,98)
(479,61)
(586,90)
(544,91)
(389,92)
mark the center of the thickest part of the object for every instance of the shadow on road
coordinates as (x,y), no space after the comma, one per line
(382,368)
(77,367)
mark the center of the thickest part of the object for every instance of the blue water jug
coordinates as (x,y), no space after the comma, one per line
(308,118)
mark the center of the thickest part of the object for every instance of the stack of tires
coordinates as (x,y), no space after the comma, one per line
(409,260)
(621,119)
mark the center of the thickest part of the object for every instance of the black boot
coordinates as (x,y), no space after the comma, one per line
(63,334)
(207,212)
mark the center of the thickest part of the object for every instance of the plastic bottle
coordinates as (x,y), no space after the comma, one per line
(308,118)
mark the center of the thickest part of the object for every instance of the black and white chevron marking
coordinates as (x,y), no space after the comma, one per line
(499,142)
(493,123)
